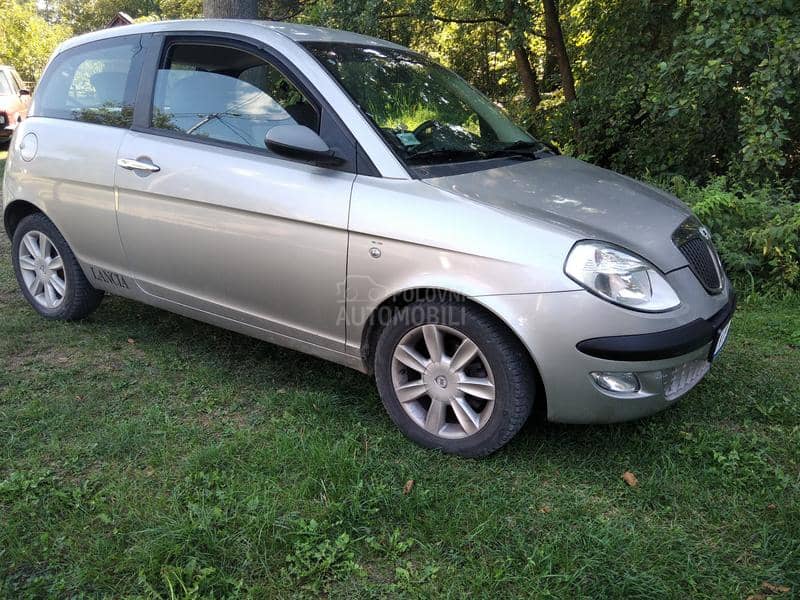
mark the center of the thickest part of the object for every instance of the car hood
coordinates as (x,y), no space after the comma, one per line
(591,202)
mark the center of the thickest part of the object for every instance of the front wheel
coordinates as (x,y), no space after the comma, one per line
(48,273)
(453,377)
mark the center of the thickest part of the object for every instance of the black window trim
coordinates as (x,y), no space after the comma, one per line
(174,41)
(131,83)
(336,134)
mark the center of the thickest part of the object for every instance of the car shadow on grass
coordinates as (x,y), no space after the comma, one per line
(250,363)
(206,359)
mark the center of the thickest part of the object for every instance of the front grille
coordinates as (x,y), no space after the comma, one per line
(679,380)
(703,262)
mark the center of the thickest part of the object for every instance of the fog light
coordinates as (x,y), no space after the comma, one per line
(617,382)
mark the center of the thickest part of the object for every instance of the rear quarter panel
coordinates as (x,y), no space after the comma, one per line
(71,180)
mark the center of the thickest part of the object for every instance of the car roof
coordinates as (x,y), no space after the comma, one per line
(293,31)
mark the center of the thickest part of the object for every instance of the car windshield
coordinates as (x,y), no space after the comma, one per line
(428,114)
(5,86)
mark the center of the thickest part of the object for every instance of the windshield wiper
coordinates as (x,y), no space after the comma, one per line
(442,155)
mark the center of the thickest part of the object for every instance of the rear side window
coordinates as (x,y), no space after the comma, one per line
(94,83)
(225,94)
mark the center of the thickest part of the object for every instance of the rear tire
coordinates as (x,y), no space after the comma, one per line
(467,383)
(48,273)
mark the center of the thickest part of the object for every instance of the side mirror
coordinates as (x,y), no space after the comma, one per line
(301,143)
(24,92)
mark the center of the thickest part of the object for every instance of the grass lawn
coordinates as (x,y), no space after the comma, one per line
(143,454)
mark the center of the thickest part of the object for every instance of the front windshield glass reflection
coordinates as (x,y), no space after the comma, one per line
(427,113)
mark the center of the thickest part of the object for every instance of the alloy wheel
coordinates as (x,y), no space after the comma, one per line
(443,381)
(42,269)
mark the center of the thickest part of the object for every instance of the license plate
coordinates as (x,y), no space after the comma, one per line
(721,339)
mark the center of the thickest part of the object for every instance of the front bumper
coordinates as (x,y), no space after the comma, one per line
(662,344)
(572,334)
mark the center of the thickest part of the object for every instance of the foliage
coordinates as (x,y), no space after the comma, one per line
(734,75)
(665,88)
(181,9)
(757,232)
(694,88)
(318,558)
(88,15)
(26,39)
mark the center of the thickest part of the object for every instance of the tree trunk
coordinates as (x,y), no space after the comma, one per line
(230,9)
(553,25)
(550,68)
(527,75)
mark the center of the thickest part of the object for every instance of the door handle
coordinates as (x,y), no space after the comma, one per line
(137,165)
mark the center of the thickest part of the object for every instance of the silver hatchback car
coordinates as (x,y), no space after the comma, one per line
(349,198)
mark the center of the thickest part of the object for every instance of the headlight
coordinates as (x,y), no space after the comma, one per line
(620,277)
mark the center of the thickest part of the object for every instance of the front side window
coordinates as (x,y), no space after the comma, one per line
(91,83)
(427,113)
(225,94)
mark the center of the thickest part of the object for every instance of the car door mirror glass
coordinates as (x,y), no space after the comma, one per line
(299,142)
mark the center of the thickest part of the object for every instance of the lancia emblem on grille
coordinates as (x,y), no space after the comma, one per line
(705,233)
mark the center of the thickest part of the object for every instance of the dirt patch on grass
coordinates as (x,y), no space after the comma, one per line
(10,295)
(50,356)
(68,358)
(220,418)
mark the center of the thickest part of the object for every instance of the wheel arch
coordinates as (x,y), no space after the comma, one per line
(373,326)
(15,212)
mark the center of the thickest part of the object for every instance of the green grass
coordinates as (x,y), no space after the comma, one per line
(143,454)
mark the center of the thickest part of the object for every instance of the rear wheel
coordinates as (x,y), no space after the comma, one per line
(48,273)
(453,377)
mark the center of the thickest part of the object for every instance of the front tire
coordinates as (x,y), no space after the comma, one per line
(453,377)
(48,273)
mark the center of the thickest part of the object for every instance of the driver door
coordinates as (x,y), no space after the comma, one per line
(210,219)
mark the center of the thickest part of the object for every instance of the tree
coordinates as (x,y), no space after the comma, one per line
(230,9)
(512,19)
(550,75)
(690,88)
(26,39)
(83,16)
(527,75)
(659,87)
(181,9)
(556,38)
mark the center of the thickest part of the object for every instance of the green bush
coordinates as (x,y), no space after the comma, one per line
(693,88)
(757,231)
